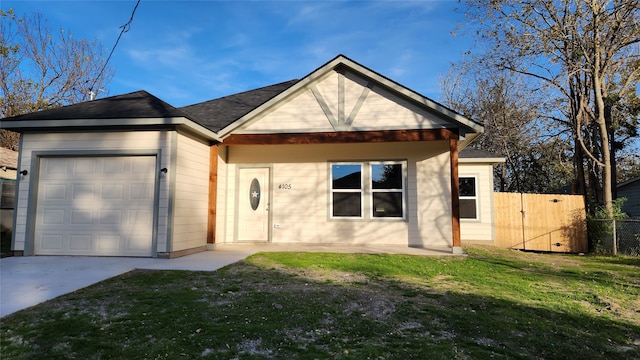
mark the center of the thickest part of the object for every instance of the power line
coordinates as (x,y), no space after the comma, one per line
(125,28)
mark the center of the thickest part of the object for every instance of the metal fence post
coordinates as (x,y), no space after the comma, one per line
(615,238)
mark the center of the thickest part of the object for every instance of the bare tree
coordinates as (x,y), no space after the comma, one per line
(515,126)
(42,69)
(582,50)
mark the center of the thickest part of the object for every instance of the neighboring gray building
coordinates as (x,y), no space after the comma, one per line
(630,189)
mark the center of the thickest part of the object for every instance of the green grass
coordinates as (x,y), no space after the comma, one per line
(490,304)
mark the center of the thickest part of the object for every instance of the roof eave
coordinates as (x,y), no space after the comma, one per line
(628,182)
(492,161)
(179,121)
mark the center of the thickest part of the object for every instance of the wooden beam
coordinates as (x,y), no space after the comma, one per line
(213,194)
(341,137)
(455,193)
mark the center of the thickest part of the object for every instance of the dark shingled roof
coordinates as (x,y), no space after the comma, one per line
(219,113)
(471,153)
(139,104)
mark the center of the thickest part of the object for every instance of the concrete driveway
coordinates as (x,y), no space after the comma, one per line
(29,280)
(26,281)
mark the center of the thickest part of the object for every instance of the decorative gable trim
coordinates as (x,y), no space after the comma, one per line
(339,121)
(342,122)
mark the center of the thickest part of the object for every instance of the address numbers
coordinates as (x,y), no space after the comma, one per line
(285,187)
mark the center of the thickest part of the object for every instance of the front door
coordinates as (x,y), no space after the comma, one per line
(253,204)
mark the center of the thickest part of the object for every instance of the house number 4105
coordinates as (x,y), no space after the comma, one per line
(285,187)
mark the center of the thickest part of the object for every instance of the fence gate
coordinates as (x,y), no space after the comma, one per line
(540,222)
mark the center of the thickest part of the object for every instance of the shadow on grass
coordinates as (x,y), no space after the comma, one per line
(569,269)
(249,311)
(618,260)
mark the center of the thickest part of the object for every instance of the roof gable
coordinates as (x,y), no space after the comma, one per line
(355,85)
(339,96)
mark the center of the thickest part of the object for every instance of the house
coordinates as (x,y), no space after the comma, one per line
(342,156)
(630,189)
(476,195)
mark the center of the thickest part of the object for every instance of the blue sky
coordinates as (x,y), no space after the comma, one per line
(186,52)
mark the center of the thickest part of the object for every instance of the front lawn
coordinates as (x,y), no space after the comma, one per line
(490,304)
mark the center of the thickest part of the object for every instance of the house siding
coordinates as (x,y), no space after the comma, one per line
(79,143)
(190,212)
(482,228)
(300,214)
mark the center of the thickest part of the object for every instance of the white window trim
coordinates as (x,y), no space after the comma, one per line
(372,191)
(367,191)
(476,198)
(361,190)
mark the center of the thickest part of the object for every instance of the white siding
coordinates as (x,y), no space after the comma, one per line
(76,143)
(433,181)
(190,211)
(301,214)
(482,228)
(380,110)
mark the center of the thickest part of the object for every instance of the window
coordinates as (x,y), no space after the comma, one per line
(387,190)
(468,198)
(368,190)
(346,186)
(7,193)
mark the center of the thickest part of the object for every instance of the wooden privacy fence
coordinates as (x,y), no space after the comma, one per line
(540,222)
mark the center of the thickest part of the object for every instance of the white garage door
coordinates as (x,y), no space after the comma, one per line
(95,206)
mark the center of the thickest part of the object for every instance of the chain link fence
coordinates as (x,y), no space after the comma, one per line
(617,236)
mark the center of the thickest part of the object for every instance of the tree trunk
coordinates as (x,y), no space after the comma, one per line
(598,78)
(612,148)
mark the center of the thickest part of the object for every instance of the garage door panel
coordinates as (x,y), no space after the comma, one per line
(82,191)
(56,168)
(136,243)
(84,166)
(53,217)
(138,218)
(112,191)
(81,217)
(110,217)
(55,191)
(104,206)
(52,241)
(141,192)
(116,167)
(140,164)
(108,242)
(80,242)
